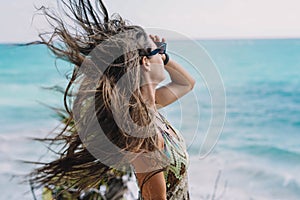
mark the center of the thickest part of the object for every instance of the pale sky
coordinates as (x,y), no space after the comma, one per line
(199,19)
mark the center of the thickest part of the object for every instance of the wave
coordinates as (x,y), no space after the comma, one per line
(272,153)
(244,177)
(264,179)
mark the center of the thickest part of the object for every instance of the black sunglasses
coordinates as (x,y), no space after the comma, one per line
(161,49)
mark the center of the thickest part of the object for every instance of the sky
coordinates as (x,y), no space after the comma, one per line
(198,19)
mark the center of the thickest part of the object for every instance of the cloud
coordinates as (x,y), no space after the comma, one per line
(194,18)
(218,18)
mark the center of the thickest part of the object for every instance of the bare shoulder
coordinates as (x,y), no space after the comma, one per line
(152,182)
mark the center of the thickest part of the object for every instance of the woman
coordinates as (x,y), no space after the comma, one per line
(114,84)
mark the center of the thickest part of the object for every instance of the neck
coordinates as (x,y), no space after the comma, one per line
(148,94)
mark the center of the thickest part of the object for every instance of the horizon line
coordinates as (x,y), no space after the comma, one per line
(193,38)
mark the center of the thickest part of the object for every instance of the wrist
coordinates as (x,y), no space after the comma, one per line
(166,59)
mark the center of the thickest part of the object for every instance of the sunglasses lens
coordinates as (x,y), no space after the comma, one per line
(155,51)
(162,51)
(162,48)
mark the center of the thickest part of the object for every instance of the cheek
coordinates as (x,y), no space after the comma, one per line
(162,69)
(162,72)
(158,73)
(158,59)
(158,68)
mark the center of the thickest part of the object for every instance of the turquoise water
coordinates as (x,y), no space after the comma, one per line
(261,137)
(260,142)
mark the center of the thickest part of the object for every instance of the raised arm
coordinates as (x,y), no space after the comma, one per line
(181,82)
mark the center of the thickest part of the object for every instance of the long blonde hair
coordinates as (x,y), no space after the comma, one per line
(94,95)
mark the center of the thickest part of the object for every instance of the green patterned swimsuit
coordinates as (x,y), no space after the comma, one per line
(176,173)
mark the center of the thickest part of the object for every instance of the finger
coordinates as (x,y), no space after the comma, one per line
(152,37)
(157,38)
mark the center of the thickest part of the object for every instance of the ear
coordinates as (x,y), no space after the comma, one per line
(146,64)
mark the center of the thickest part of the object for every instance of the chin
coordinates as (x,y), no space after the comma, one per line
(163,77)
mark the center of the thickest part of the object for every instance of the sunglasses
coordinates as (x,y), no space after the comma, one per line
(161,49)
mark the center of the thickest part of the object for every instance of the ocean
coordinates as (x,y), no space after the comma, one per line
(256,155)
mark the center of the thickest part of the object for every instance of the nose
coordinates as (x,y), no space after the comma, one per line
(163,57)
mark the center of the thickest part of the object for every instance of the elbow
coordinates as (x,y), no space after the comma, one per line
(192,84)
(187,87)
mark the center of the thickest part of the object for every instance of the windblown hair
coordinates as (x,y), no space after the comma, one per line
(94,94)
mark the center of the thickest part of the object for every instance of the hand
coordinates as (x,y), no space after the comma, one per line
(156,38)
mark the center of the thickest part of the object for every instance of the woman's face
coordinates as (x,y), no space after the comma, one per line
(156,65)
